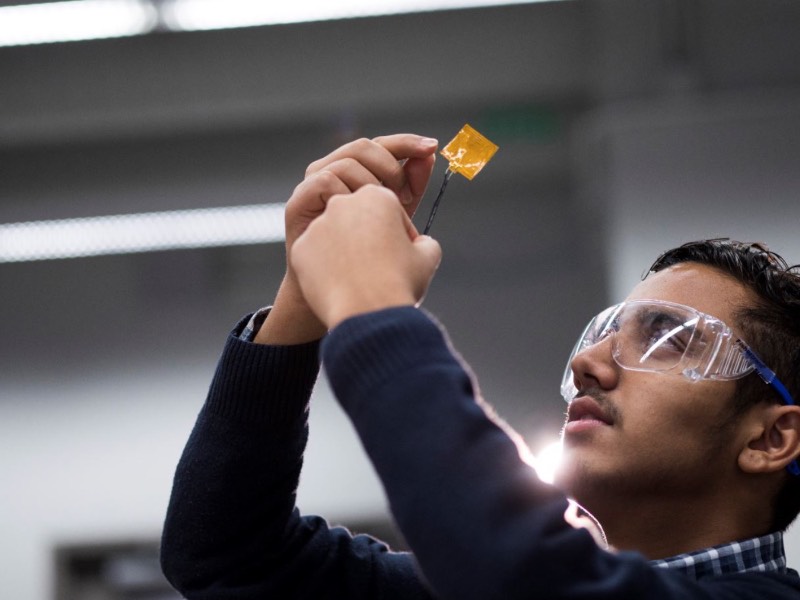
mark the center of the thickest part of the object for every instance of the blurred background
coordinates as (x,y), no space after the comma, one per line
(625,127)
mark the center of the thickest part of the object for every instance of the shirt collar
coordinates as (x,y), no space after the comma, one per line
(763,553)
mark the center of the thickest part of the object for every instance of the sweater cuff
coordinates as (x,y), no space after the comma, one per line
(263,386)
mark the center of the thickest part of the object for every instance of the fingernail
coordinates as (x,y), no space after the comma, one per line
(405,196)
(429,142)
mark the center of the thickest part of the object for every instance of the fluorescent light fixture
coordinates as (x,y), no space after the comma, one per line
(92,19)
(191,15)
(145,232)
(75,20)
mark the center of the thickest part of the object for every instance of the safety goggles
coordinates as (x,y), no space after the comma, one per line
(665,337)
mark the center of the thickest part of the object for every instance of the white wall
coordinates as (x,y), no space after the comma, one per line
(97,465)
(705,166)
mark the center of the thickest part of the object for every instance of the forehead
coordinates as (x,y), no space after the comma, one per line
(705,288)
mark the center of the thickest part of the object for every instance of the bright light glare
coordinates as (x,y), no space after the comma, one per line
(188,15)
(92,19)
(145,232)
(74,20)
(547,461)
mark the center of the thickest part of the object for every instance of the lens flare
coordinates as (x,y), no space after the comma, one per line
(547,461)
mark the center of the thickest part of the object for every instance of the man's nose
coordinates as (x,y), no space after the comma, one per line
(595,366)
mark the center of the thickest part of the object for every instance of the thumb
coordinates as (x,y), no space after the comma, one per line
(429,253)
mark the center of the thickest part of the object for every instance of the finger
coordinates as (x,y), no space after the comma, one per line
(372,155)
(309,200)
(429,251)
(418,155)
(320,186)
(428,254)
(407,145)
(410,228)
(352,173)
(418,174)
(383,157)
(363,162)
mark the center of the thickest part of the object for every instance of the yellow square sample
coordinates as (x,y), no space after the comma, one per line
(468,152)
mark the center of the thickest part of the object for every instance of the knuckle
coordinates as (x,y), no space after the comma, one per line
(311,168)
(299,188)
(325,179)
(361,143)
(347,163)
(335,202)
(316,183)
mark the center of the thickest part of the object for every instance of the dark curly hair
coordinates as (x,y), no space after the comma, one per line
(771,327)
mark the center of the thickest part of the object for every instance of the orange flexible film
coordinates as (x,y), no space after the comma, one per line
(468,152)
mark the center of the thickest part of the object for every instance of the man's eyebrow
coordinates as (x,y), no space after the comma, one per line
(660,314)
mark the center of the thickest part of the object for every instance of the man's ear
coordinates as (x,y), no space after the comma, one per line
(774,441)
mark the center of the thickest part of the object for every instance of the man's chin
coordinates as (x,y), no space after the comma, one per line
(576,479)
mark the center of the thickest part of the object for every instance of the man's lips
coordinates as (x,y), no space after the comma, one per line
(585,408)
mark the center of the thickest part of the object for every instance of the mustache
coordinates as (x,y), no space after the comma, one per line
(609,408)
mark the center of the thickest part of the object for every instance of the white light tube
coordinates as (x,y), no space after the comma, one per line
(145,232)
(75,20)
(192,15)
(93,19)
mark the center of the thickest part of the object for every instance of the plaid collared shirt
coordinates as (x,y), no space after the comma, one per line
(253,325)
(756,554)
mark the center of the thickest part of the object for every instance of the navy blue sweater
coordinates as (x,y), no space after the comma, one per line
(480,523)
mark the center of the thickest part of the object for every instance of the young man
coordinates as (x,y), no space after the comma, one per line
(673,441)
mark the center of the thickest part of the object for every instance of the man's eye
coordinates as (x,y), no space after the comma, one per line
(667,339)
(668,335)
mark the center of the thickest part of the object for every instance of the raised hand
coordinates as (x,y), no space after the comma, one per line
(363,254)
(401,163)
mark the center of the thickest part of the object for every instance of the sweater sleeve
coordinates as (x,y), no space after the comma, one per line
(480,522)
(232,529)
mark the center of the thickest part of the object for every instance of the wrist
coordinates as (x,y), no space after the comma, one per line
(291,320)
(361,304)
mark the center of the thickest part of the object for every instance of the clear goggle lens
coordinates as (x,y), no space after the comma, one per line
(658,336)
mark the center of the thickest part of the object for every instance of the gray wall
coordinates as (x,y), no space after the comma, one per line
(625,127)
